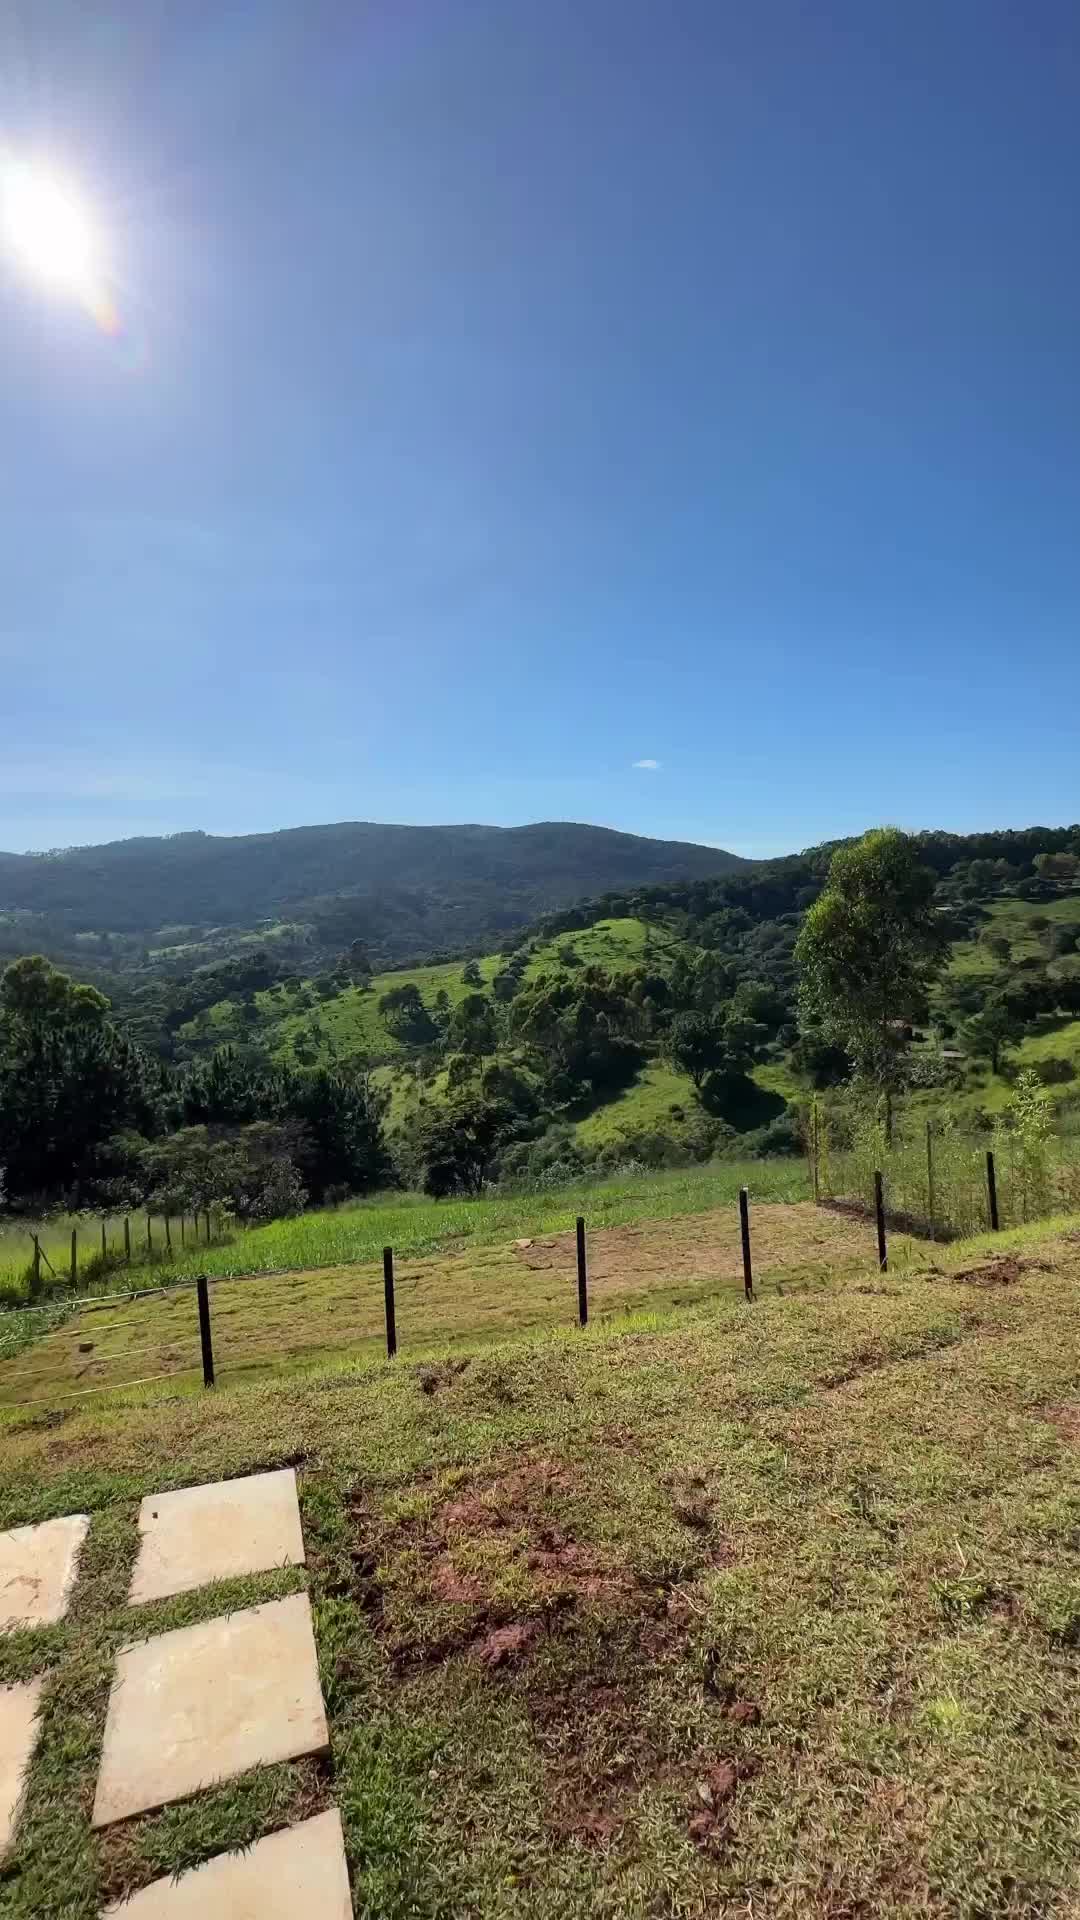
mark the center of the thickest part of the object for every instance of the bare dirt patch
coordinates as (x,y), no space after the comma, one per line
(1003,1270)
(702,1246)
(1066,1418)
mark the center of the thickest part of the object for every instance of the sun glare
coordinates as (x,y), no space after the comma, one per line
(48,229)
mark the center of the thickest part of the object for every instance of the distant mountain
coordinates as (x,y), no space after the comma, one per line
(405,890)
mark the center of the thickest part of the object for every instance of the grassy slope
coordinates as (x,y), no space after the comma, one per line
(1055,1038)
(773,1611)
(296,1319)
(351,1020)
(417,1226)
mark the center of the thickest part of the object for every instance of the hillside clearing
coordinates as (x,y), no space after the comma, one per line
(773,1611)
(462,1295)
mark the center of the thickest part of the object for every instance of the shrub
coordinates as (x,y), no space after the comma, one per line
(1054,1070)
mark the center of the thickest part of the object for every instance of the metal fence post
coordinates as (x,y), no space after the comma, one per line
(991,1189)
(879,1209)
(388,1296)
(744,1227)
(582,1275)
(206,1342)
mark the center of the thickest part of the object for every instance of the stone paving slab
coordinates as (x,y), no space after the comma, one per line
(205,1703)
(37,1571)
(18,1738)
(216,1533)
(298,1874)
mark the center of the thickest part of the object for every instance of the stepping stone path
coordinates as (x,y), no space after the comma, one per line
(216,1533)
(37,1571)
(18,1737)
(299,1874)
(195,1706)
(190,1708)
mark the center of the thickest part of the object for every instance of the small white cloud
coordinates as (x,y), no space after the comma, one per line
(648,766)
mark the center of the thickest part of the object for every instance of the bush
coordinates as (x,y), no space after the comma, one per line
(1054,1070)
(782,1135)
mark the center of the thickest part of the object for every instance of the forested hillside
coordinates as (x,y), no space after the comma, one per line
(662,1023)
(406,891)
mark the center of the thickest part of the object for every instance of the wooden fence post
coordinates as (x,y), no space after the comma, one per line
(74,1256)
(388,1297)
(991,1189)
(582,1275)
(816,1150)
(208,1226)
(168,1235)
(744,1228)
(183,1230)
(149,1235)
(127,1240)
(879,1209)
(104,1240)
(205,1340)
(930,1176)
(37,1261)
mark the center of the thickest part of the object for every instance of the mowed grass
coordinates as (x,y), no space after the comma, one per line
(762,1610)
(414,1225)
(459,1299)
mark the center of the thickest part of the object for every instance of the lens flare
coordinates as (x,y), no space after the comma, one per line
(50,233)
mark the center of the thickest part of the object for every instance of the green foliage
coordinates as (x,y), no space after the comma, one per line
(580,1025)
(986,1034)
(1023,1141)
(406,1016)
(696,1044)
(460,1141)
(869,948)
(69,1080)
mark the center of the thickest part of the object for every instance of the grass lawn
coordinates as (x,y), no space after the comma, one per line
(768,1610)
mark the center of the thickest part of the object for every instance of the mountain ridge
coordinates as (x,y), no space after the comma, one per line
(399,887)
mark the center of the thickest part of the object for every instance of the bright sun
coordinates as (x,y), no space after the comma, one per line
(47,227)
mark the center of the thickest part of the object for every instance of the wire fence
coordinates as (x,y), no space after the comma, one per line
(195,1331)
(199,1331)
(943,1184)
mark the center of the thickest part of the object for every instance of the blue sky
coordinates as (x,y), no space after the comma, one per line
(509,391)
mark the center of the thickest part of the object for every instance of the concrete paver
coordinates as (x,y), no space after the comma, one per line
(205,1703)
(298,1874)
(37,1571)
(216,1533)
(18,1738)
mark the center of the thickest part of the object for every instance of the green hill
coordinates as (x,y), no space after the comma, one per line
(405,891)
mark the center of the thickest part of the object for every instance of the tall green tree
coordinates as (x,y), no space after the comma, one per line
(69,1081)
(870,946)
